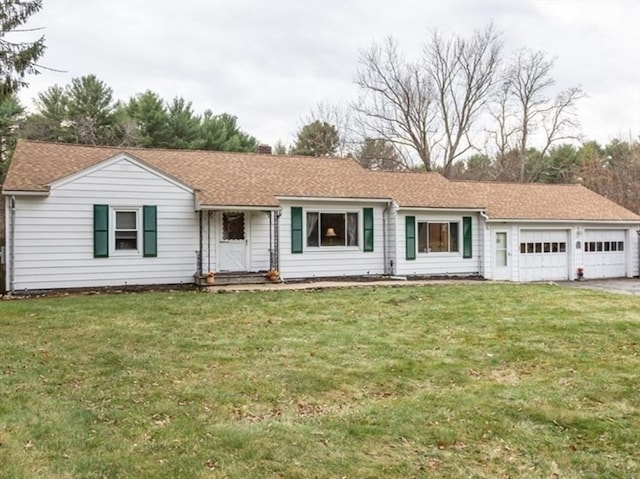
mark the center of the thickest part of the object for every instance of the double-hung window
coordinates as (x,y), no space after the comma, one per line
(126,231)
(121,230)
(332,229)
(438,237)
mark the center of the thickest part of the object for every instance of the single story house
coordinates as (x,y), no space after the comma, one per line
(90,216)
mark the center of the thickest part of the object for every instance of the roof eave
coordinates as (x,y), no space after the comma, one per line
(38,192)
(495,219)
(475,209)
(355,199)
(204,207)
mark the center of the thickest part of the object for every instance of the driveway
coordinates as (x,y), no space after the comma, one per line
(622,285)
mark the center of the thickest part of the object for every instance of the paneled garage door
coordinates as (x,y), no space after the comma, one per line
(605,254)
(544,255)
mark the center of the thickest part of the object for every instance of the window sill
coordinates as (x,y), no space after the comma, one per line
(126,253)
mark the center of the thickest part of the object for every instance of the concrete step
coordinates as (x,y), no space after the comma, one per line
(230,278)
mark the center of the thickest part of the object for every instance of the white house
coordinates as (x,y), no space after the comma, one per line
(84,216)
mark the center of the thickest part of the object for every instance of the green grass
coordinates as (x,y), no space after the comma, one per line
(483,380)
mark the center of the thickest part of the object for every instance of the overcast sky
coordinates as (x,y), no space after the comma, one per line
(270,62)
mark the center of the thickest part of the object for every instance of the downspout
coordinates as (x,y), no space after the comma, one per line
(199,254)
(385,246)
(276,243)
(12,242)
(271,257)
(638,232)
(208,240)
(483,257)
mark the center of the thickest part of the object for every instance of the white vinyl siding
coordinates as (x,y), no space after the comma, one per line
(442,263)
(333,261)
(563,265)
(54,234)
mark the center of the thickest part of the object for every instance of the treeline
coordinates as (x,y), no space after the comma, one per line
(612,170)
(85,111)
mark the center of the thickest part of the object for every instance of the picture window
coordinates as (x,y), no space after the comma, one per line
(332,229)
(438,237)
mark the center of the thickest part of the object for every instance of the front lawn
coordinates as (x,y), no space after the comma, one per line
(455,381)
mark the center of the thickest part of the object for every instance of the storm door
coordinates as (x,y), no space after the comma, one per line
(233,245)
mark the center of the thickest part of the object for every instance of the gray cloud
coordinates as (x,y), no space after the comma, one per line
(269,63)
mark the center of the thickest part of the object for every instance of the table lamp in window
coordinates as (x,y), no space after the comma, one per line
(331,235)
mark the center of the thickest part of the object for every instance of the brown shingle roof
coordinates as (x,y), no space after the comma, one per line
(542,201)
(248,179)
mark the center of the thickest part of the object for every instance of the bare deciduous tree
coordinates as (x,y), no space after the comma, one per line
(463,72)
(397,101)
(429,106)
(523,109)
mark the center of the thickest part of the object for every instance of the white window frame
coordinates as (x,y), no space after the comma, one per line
(112,233)
(344,212)
(448,222)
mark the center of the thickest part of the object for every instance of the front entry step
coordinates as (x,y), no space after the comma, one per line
(223,279)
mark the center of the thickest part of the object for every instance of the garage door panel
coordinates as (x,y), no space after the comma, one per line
(544,255)
(605,253)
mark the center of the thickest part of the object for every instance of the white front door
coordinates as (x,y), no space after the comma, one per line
(232,248)
(501,255)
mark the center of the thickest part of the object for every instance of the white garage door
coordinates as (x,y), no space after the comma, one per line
(544,255)
(605,254)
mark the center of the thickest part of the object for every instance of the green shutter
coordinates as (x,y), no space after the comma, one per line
(367,214)
(467,245)
(296,229)
(149,231)
(410,233)
(100,231)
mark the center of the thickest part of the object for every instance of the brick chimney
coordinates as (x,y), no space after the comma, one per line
(263,149)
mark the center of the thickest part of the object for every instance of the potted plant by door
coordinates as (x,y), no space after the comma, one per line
(211,278)
(273,275)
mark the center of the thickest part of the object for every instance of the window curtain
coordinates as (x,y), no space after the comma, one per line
(352,229)
(312,223)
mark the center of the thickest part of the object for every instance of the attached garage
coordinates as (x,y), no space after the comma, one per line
(605,253)
(544,255)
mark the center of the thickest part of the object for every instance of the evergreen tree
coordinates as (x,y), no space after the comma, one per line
(17,59)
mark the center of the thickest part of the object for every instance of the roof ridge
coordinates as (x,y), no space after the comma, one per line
(512,183)
(179,150)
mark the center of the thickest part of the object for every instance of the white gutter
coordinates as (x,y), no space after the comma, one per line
(25,193)
(422,208)
(333,200)
(239,208)
(565,221)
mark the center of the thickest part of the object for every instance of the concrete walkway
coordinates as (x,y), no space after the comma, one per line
(315,285)
(623,286)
